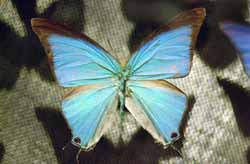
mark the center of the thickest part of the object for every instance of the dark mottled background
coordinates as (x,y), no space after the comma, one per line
(216,128)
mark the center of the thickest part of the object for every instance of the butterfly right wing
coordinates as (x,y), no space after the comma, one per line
(240,36)
(75,58)
(89,112)
(167,53)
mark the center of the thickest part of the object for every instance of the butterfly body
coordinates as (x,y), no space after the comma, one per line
(122,90)
(100,84)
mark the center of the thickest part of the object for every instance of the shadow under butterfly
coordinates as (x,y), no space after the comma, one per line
(248,155)
(140,149)
(100,83)
(55,125)
(213,46)
(2,151)
(17,51)
(240,99)
(105,152)
(147,15)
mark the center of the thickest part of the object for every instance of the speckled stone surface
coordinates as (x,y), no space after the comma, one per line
(32,129)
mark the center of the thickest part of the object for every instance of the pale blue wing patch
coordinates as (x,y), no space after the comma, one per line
(158,106)
(89,112)
(165,56)
(240,36)
(78,62)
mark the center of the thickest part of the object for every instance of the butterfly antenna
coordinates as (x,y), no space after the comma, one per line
(109,43)
(111,47)
(178,151)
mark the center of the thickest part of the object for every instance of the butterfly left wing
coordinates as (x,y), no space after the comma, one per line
(167,53)
(74,57)
(89,111)
(240,37)
(158,106)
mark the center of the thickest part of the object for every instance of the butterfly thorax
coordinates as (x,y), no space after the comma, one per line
(123,78)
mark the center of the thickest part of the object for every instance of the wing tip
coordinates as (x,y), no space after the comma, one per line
(42,25)
(198,14)
(45,25)
(200,11)
(35,21)
(38,22)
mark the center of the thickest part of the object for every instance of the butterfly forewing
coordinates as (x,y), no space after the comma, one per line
(167,53)
(75,58)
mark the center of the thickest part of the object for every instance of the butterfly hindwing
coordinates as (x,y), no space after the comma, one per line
(75,58)
(167,53)
(158,106)
(240,37)
(89,111)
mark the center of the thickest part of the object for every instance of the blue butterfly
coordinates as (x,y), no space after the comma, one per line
(240,36)
(100,84)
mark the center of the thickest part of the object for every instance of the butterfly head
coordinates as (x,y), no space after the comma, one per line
(126,73)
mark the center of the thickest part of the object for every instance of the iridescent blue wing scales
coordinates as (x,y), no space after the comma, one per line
(167,55)
(240,37)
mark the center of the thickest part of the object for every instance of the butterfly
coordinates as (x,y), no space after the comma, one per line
(100,84)
(240,37)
